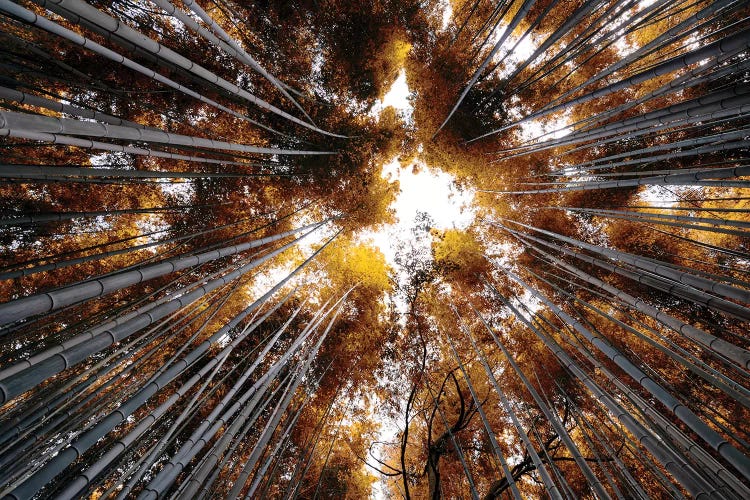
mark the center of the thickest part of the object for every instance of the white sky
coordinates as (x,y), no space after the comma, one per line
(396,97)
(447,13)
(427,190)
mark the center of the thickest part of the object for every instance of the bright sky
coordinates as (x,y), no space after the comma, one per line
(425,190)
(396,97)
(447,13)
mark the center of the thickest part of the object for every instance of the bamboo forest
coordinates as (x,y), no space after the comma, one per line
(375,249)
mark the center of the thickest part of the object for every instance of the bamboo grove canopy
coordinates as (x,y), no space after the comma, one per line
(195,301)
